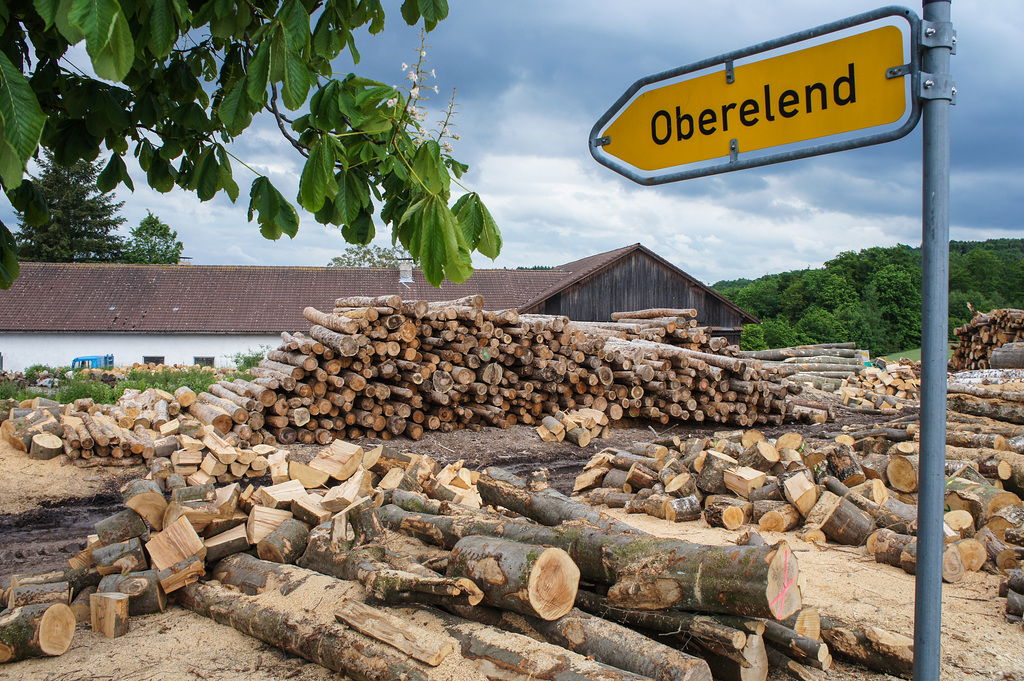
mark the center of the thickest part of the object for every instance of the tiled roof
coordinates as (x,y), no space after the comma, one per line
(59,297)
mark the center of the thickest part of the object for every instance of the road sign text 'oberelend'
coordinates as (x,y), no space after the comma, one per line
(828,89)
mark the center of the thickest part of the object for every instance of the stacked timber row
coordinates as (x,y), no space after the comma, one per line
(982,341)
(823,365)
(851,491)
(199,441)
(384,367)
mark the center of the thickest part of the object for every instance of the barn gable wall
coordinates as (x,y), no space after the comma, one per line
(637,282)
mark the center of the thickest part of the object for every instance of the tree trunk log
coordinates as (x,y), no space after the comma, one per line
(531,580)
(286,543)
(143,589)
(36,631)
(646,572)
(548,506)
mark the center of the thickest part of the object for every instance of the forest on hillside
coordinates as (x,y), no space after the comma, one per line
(873,297)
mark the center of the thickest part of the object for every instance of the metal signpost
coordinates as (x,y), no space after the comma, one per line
(716,116)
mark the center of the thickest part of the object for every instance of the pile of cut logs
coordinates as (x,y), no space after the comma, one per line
(522,560)
(880,391)
(861,497)
(822,365)
(202,442)
(982,340)
(384,367)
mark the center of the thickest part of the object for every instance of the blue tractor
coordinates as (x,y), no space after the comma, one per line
(93,362)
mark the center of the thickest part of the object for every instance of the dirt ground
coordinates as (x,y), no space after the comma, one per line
(47,509)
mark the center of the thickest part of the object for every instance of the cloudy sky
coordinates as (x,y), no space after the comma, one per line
(533,77)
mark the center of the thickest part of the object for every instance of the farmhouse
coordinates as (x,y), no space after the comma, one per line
(204,314)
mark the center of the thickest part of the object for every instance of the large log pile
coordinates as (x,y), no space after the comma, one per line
(856,491)
(983,335)
(386,367)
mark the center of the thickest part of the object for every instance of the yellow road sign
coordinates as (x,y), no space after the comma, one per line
(836,87)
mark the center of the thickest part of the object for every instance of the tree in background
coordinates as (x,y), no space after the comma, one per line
(369,256)
(152,243)
(82,221)
(178,81)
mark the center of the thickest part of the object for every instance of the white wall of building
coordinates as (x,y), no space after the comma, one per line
(22,350)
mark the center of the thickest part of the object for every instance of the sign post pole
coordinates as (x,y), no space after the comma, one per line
(937,41)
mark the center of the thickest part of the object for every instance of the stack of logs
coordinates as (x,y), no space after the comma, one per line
(194,432)
(409,541)
(828,490)
(880,391)
(822,365)
(384,367)
(983,335)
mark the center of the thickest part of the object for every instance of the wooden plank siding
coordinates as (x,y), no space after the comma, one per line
(636,282)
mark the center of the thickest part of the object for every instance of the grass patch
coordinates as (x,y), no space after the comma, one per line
(913,355)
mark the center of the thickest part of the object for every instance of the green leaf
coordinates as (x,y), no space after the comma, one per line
(160,175)
(411,12)
(296,81)
(30,202)
(115,171)
(258,75)
(71,33)
(233,111)
(274,214)
(206,177)
(9,268)
(47,10)
(163,29)
(433,11)
(429,169)
(295,21)
(442,249)
(108,39)
(21,122)
(316,174)
(226,179)
(359,231)
(478,227)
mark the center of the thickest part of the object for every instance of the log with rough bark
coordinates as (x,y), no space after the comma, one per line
(548,506)
(307,633)
(1001,410)
(601,640)
(531,580)
(872,647)
(645,572)
(286,543)
(840,520)
(143,589)
(36,631)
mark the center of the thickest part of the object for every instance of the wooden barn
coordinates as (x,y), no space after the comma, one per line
(635,278)
(205,314)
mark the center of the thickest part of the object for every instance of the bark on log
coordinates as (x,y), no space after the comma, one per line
(600,640)
(336,648)
(548,506)
(286,543)
(143,589)
(109,614)
(645,572)
(531,580)
(36,631)
(873,648)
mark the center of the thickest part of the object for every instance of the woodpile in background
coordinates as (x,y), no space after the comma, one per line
(822,366)
(982,340)
(386,367)
(881,391)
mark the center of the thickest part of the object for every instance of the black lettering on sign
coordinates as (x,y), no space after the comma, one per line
(706,120)
(787,102)
(821,90)
(851,97)
(654,127)
(747,111)
(680,119)
(752,111)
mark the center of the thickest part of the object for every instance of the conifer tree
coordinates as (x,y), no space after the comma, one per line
(152,242)
(83,221)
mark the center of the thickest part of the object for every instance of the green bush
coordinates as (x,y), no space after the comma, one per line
(32,373)
(247,359)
